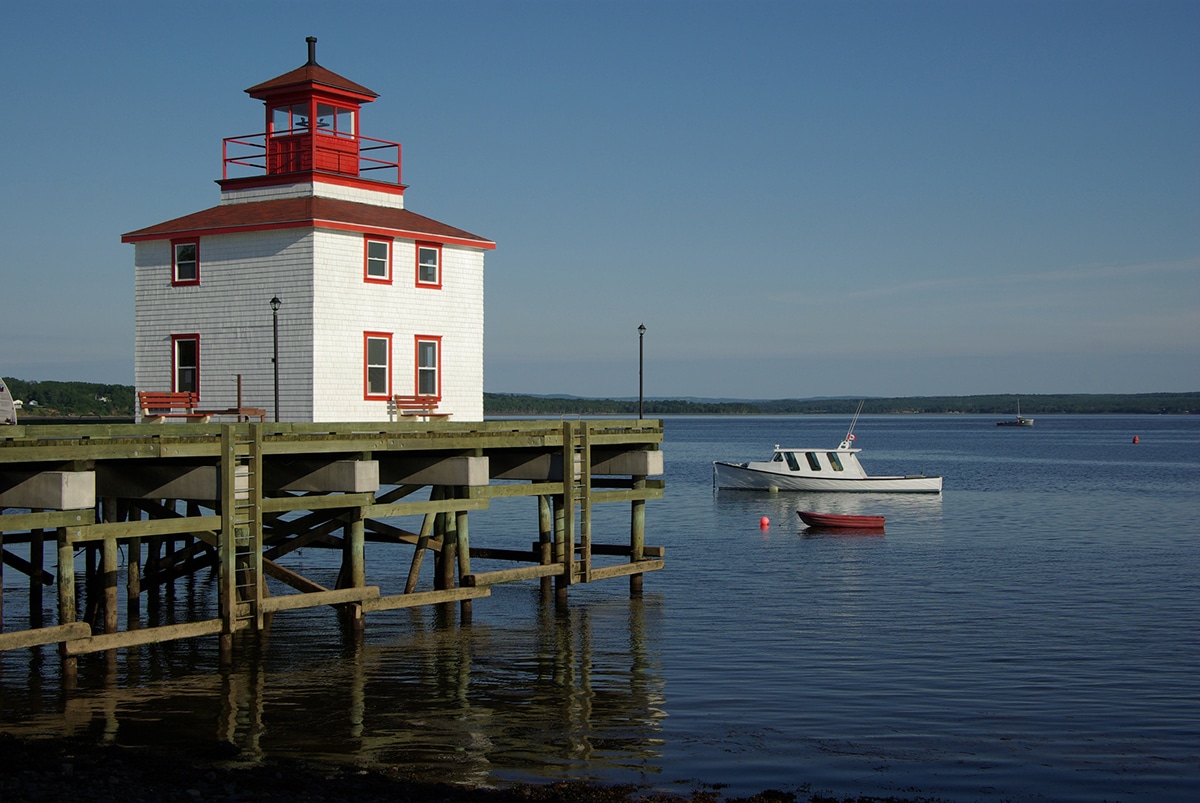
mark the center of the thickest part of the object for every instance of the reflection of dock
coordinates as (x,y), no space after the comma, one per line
(183,499)
(573,692)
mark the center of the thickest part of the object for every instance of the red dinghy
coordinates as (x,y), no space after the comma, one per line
(835,520)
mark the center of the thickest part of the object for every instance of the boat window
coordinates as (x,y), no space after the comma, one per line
(792,462)
(834,460)
(778,458)
(813,462)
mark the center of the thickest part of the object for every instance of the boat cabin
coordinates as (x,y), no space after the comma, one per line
(811,461)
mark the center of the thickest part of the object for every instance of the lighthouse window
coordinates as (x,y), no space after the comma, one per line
(185,363)
(378,370)
(290,119)
(335,120)
(429,258)
(185,262)
(379,261)
(428,383)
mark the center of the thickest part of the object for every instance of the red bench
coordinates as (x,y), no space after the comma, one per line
(158,406)
(422,406)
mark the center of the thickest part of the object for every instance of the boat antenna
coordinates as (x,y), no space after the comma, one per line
(853,421)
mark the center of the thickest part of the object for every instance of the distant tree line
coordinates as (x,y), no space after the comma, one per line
(499,404)
(56,399)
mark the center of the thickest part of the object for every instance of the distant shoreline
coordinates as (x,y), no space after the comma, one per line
(84,402)
(500,404)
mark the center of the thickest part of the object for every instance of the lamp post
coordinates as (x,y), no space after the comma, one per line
(641,335)
(275,304)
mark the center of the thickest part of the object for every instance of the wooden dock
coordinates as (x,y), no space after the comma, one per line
(179,499)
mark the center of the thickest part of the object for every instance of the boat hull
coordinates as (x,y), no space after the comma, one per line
(840,521)
(740,476)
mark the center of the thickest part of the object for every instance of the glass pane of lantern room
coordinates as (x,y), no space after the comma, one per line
(299,117)
(325,118)
(281,119)
(345,122)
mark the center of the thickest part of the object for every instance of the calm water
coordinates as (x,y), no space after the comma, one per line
(1033,633)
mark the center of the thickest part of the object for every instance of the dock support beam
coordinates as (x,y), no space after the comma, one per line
(354,568)
(464,552)
(545,542)
(66,601)
(637,534)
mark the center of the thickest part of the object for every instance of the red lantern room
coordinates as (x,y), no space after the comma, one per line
(312,125)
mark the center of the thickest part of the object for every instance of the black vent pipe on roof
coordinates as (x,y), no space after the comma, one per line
(312,50)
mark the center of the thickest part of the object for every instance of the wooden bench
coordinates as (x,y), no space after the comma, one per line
(422,406)
(158,406)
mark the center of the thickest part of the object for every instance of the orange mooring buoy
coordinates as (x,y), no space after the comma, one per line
(764,523)
(1135,438)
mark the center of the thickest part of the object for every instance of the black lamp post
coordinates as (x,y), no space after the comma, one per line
(275,304)
(641,335)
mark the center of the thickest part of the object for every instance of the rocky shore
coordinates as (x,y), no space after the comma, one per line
(53,770)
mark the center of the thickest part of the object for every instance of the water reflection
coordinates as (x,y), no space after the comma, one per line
(913,510)
(575,691)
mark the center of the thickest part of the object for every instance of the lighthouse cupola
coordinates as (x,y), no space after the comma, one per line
(312,126)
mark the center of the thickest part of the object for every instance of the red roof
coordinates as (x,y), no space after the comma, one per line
(308,212)
(305,76)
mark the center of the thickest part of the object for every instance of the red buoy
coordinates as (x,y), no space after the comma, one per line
(764,522)
(1135,438)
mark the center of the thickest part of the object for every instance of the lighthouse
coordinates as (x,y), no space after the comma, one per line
(310,282)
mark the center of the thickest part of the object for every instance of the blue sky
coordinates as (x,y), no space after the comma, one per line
(796,198)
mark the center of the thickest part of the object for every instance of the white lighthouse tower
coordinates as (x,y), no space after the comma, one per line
(311,254)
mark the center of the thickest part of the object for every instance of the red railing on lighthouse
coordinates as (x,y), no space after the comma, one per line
(258,155)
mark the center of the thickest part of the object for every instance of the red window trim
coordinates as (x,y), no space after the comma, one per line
(391,246)
(175,280)
(174,356)
(367,395)
(417,340)
(441,268)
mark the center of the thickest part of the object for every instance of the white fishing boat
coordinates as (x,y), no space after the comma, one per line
(791,469)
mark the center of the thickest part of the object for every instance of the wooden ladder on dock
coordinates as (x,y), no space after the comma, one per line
(241,530)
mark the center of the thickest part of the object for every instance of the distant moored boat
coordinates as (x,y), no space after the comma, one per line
(1019,421)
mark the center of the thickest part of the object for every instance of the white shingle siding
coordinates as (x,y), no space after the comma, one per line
(346,307)
(327,307)
(230,310)
(314,189)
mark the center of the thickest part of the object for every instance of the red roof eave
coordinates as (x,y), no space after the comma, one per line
(309,76)
(324,213)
